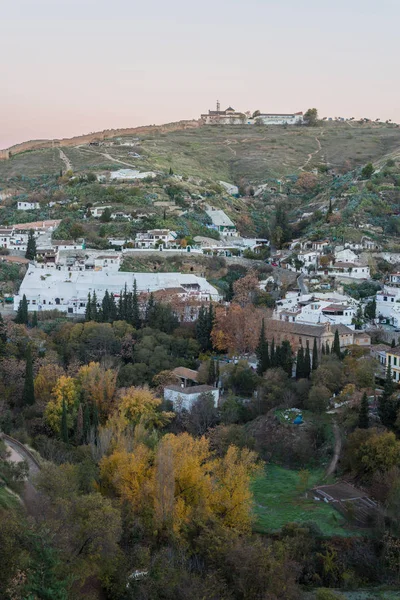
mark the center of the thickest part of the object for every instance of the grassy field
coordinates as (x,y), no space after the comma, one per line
(278,501)
(225,152)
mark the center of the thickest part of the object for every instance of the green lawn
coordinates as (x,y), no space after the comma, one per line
(278,501)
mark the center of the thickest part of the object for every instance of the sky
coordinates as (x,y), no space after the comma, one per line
(78,66)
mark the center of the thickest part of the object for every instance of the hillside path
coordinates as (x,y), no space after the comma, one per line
(108,157)
(312,154)
(19,453)
(338,447)
(66,161)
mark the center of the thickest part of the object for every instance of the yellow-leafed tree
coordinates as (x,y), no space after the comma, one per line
(98,386)
(66,390)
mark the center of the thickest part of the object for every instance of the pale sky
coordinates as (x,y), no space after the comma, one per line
(76,66)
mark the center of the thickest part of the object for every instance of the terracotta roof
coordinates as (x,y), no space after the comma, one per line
(395,351)
(342,329)
(186,373)
(294,328)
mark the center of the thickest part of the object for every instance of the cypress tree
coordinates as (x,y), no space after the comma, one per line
(105,307)
(217,374)
(79,426)
(315,355)
(262,351)
(136,321)
(31,246)
(300,363)
(203,331)
(86,423)
(113,309)
(272,356)
(64,423)
(3,337)
(387,405)
(327,349)
(307,362)
(363,415)
(88,311)
(34,319)
(28,396)
(94,309)
(230,292)
(211,372)
(210,325)
(336,345)
(95,422)
(22,312)
(286,358)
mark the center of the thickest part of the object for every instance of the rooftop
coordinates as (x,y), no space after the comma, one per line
(219,218)
(186,373)
(195,389)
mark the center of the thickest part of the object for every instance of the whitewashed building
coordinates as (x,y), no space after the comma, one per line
(154,238)
(184,397)
(24,205)
(279,118)
(67,290)
(221,222)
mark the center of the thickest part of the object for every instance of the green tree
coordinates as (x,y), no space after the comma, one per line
(22,312)
(315,355)
(64,423)
(367,171)
(327,349)
(307,362)
(370,310)
(34,319)
(105,216)
(43,576)
(211,372)
(387,404)
(136,320)
(28,396)
(363,415)
(300,363)
(262,352)
(31,246)
(88,311)
(311,117)
(336,345)
(286,358)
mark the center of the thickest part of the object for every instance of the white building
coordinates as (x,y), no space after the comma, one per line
(67,290)
(108,262)
(154,238)
(184,397)
(221,222)
(225,117)
(13,239)
(97,211)
(131,175)
(346,256)
(280,118)
(316,308)
(28,206)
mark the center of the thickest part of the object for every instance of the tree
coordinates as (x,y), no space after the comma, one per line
(307,362)
(300,363)
(203,414)
(311,117)
(79,426)
(64,423)
(211,372)
(367,171)
(45,382)
(336,345)
(30,253)
(204,326)
(363,415)
(245,288)
(286,358)
(28,396)
(105,216)
(387,404)
(237,329)
(65,392)
(136,404)
(370,310)
(34,319)
(318,399)
(315,355)
(22,312)
(262,352)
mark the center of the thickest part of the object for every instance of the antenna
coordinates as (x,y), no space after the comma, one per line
(218,106)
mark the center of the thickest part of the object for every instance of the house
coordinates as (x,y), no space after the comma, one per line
(107,262)
(67,289)
(155,238)
(97,211)
(346,270)
(221,222)
(68,244)
(393,360)
(131,175)
(394,278)
(187,377)
(28,205)
(121,215)
(185,397)
(346,256)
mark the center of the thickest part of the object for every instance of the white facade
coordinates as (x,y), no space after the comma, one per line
(316,308)
(221,222)
(280,119)
(28,206)
(346,255)
(154,238)
(97,211)
(67,290)
(13,239)
(131,174)
(107,262)
(184,398)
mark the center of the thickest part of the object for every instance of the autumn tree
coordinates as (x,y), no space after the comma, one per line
(65,392)
(45,382)
(136,404)
(237,329)
(97,386)
(245,288)
(307,182)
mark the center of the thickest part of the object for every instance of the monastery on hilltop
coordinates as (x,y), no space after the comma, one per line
(231,117)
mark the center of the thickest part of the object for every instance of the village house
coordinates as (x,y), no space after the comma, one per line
(183,398)
(393,359)
(97,211)
(279,118)
(25,205)
(221,222)
(156,238)
(224,117)
(110,262)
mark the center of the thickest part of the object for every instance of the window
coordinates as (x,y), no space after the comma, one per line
(391,299)
(70,310)
(395,361)
(385,298)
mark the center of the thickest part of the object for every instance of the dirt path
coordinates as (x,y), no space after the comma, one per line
(312,154)
(18,453)
(108,157)
(336,454)
(65,160)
